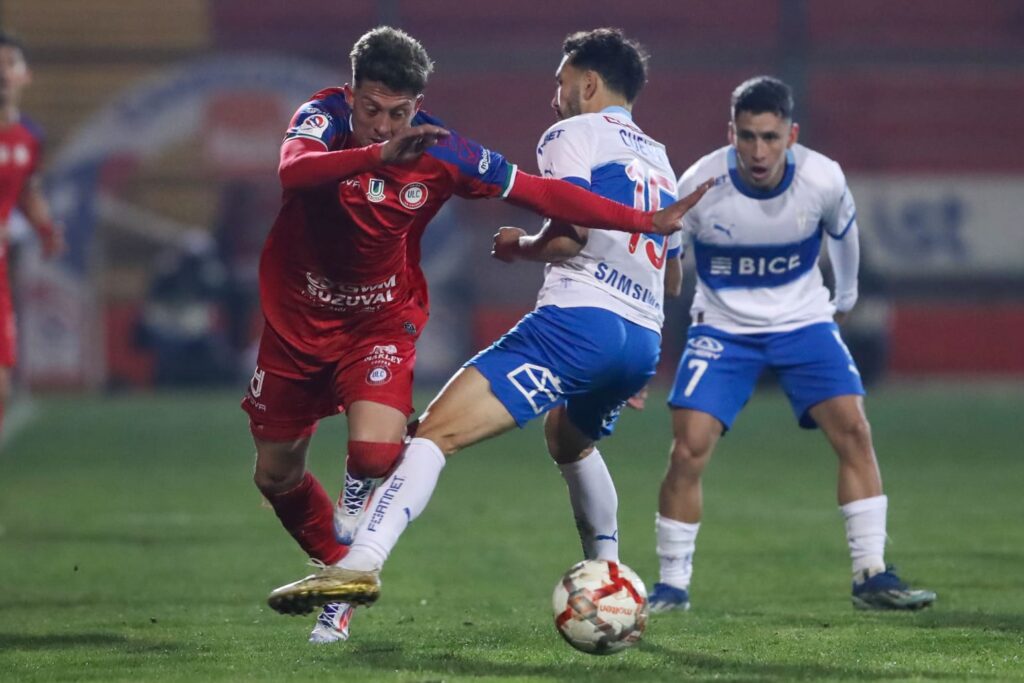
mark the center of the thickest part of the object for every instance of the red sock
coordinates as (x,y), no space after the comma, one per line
(370,459)
(308,515)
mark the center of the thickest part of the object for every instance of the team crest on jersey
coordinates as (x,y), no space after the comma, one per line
(376,191)
(413,195)
(377,376)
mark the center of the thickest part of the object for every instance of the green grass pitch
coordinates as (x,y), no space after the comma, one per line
(134,547)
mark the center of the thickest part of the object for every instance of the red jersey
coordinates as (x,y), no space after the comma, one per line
(347,252)
(19,156)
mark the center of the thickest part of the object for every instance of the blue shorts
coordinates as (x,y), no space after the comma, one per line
(588,358)
(718,371)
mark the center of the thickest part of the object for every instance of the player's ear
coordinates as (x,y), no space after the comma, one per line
(731,135)
(418,104)
(590,82)
(349,96)
(794,133)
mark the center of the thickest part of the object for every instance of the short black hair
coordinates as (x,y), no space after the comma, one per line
(621,62)
(10,40)
(392,57)
(763,94)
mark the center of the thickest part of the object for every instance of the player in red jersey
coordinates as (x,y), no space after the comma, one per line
(364,170)
(20,151)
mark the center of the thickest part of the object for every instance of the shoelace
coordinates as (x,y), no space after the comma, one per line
(354,498)
(328,614)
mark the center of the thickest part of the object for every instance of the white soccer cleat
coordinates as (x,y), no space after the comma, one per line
(332,624)
(355,498)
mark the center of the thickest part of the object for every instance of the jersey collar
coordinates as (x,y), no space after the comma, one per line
(753,192)
(616,109)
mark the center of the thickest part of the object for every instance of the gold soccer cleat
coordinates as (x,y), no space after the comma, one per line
(330,584)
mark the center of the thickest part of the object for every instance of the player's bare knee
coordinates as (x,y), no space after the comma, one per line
(853,436)
(689,456)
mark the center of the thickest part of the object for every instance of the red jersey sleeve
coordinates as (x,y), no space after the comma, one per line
(313,150)
(479,172)
(324,118)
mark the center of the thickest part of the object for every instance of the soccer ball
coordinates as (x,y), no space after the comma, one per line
(600,607)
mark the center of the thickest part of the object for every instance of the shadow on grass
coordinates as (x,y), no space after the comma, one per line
(931,618)
(1009,623)
(389,655)
(58,601)
(61,641)
(191,538)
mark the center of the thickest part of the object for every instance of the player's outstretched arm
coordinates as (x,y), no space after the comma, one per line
(568,203)
(306,163)
(669,219)
(555,242)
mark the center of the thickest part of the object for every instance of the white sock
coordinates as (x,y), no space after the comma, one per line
(397,501)
(677,541)
(865,533)
(594,505)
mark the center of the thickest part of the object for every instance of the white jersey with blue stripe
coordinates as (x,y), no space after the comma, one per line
(757,251)
(607,154)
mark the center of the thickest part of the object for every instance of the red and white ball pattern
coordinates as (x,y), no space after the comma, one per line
(600,607)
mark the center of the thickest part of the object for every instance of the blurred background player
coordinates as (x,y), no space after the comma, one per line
(591,343)
(363,172)
(21,187)
(761,303)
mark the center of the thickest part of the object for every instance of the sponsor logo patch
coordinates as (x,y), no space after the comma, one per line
(256,383)
(537,384)
(315,124)
(378,376)
(705,347)
(413,195)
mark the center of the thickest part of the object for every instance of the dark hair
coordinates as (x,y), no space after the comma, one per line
(10,40)
(392,57)
(621,62)
(763,94)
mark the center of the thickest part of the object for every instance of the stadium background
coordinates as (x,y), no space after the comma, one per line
(133,546)
(163,122)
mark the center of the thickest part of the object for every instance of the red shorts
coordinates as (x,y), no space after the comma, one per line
(284,401)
